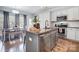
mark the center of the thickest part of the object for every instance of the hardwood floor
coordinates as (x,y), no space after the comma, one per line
(13,46)
(64,45)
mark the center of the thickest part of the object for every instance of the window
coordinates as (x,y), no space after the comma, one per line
(21,21)
(1,20)
(29,22)
(11,20)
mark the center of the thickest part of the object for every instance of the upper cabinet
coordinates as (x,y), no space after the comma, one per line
(76,13)
(62,12)
(70,15)
(73,13)
(58,13)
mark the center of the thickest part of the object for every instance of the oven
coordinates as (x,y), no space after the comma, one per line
(62,29)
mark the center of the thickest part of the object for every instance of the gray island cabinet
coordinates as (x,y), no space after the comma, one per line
(40,42)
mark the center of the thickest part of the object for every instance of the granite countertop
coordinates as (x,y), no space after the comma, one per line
(42,31)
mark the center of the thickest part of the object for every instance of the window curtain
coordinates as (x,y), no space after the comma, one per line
(25,21)
(17,36)
(5,25)
(21,21)
(16,19)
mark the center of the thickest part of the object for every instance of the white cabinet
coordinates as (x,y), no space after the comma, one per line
(62,13)
(70,14)
(76,13)
(58,13)
(71,33)
(73,13)
(77,34)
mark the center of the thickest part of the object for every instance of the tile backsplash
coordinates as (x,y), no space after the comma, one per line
(73,24)
(70,24)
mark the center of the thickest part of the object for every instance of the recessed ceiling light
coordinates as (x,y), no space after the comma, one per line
(15,11)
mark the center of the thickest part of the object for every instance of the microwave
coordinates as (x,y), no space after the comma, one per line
(61,18)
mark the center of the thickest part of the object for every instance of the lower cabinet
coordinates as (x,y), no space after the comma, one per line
(47,42)
(50,40)
(53,39)
(77,34)
(44,42)
(73,34)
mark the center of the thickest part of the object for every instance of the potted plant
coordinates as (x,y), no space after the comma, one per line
(36,22)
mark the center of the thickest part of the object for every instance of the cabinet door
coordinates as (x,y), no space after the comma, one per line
(53,39)
(76,13)
(64,12)
(73,13)
(70,14)
(61,12)
(71,33)
(77,34)
(57,13)
(47,41)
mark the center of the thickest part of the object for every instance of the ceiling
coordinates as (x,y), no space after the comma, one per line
(31,9)
(34,10)
(28,9)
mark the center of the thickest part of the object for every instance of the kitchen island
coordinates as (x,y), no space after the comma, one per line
(41,41)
